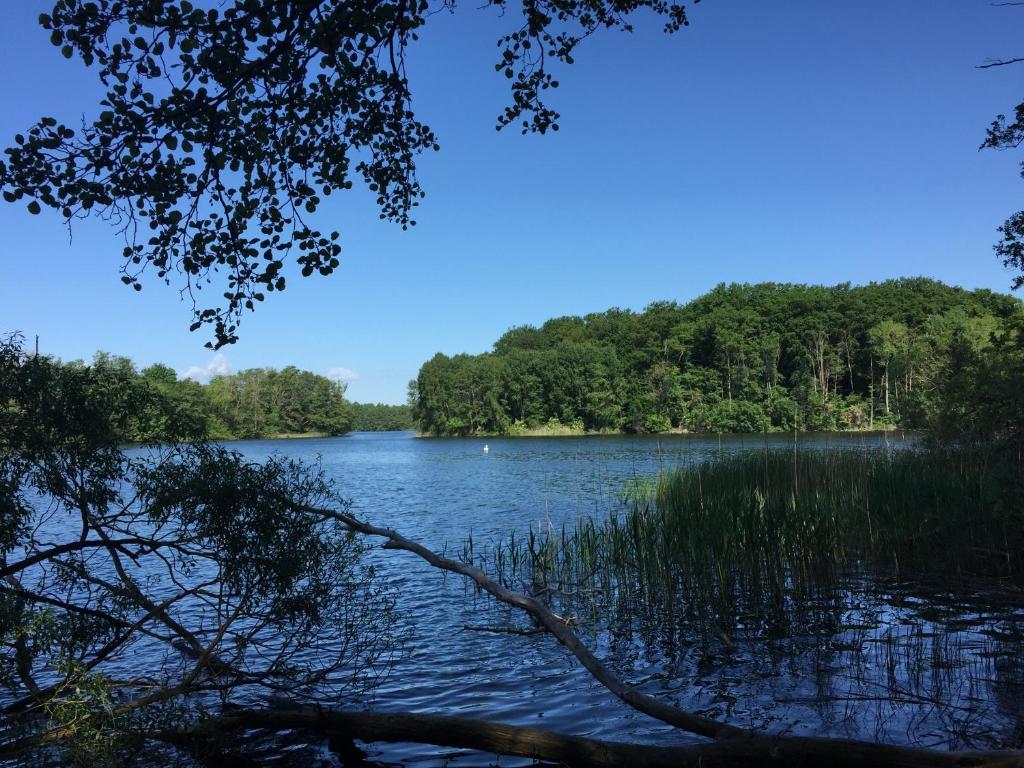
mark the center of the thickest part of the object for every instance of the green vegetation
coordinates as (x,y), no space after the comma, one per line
(762,535)
(213,569)
(311,122)
(255,403)
(264,402)
(912,353)
(378,417)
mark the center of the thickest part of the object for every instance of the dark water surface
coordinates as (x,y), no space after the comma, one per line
(942,669)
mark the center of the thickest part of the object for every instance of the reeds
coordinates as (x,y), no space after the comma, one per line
(752,536)
(870,572)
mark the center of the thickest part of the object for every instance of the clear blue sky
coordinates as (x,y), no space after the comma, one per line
(800,141)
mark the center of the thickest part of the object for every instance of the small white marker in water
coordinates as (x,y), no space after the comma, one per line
(487,448)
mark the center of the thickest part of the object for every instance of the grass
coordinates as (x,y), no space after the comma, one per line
(869,573)
(769,536)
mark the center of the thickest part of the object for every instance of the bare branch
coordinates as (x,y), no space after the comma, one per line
(553,624)
(999,63)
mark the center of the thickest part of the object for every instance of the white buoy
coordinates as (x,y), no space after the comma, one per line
(487,448)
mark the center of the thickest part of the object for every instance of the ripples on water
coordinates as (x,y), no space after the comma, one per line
(953,661)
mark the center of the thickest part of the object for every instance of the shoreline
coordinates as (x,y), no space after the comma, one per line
(568,432)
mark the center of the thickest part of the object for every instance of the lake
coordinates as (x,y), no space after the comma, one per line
(904,662)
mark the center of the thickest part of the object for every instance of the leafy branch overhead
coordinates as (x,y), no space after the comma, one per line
(1010,248)
(224,128)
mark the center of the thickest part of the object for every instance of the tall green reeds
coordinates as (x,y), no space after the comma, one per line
(749,537)
(865,571)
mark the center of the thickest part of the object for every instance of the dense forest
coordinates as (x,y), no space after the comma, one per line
(380,417)
(259,402)
(254,403)
(912,353)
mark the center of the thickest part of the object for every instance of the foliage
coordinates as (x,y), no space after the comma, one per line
(224,127)
(746,539)
(378,417)
(262,402)
(746,358)
(1003,134)
(216,570)
(153,404)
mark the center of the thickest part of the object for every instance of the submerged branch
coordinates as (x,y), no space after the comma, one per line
(502,630)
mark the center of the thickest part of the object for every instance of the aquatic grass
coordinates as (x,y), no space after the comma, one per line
(880,575)
(764,538)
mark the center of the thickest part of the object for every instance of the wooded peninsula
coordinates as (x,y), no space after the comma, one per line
(251,404)
(908,353)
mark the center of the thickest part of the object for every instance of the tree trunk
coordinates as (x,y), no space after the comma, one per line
(885,378)
(871,394)
(541,744)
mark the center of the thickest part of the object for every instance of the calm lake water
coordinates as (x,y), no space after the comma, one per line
(938,669)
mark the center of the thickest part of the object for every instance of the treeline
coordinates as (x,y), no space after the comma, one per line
(379,417)
(255,403)
(913,353)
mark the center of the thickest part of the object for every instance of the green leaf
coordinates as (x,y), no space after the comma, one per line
(33,207)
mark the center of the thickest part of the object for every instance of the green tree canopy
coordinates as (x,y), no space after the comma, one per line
(741,358)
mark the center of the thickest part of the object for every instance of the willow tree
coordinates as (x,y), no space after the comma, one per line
(209,567)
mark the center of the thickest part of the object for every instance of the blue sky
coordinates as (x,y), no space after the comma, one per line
(793,141)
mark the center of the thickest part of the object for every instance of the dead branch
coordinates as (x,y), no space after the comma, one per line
(543,744)
(553,624)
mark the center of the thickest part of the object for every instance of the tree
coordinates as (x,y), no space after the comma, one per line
(888,341)
(223,128)
(1006,133)
(184,547)
(250,577)
(740,358)
(379,417)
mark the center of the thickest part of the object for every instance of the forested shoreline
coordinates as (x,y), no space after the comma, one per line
(909,353)
(381,417)
(256,403)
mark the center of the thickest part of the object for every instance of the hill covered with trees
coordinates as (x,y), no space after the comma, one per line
(744,358)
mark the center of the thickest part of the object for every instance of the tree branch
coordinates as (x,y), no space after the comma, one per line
(999,63)
(554,625)
(543,744)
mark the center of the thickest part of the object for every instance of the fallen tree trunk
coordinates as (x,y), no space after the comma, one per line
(581,752)
(554,625)
(732,746)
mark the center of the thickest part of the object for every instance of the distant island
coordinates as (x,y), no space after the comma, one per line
(741,358)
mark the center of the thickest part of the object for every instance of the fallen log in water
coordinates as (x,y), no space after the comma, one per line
(731,746)
(541,744)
